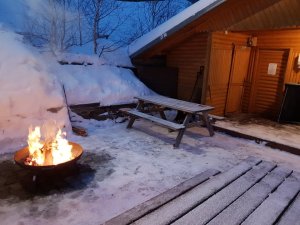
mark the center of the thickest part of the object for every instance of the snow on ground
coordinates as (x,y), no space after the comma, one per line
(279,133)
(162,30)
(130,167)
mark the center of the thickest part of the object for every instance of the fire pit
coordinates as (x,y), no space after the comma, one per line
(23,154)
(51,154)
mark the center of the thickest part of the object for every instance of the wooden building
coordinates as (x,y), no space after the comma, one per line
(249,49)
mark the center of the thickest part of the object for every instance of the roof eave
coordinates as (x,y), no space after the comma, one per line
(177,28)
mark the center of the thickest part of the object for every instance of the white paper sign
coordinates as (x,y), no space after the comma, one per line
(272,68)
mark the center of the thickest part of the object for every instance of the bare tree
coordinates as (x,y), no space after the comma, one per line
(61,24)
(102,21)
(52,24)
(153,13)
(157,12)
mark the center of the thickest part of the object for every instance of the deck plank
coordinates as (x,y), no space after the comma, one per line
(203,213)
(270,210)
(184,203)
(150,205)
(292,216)
(248,202)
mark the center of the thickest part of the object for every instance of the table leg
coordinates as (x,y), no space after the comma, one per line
(181,131)
(162,114)
(207,123)
(139,106)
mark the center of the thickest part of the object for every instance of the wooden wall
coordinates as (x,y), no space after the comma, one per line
(284,39)
(216,52)
(220,68)
(255,84)
(188,56)
(280,40)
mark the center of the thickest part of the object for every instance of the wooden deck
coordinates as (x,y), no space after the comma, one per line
(254,192)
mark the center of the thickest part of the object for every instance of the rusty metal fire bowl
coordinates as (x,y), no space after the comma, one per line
(21,155)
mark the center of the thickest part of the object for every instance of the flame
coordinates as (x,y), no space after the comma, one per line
(35,145)
(50,152)
(61,149)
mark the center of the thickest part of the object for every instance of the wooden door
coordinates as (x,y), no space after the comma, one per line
(269,80)
(219,70)
(239,70)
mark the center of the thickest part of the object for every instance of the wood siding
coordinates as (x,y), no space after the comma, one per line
(220,68)
(272,40)
(268,88)
(237,79)
(188,57)
(284,39)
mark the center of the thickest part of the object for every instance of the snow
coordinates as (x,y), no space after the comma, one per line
(186,202)
(161,30)
(271,208)
(122,168)
(105,84)
(28,92)
(216,203)
(31,86)
(118,57)
(133,166)
(285,134)
(254,197)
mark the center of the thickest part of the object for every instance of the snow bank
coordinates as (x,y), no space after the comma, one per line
(29,95)
(84,53)
(99,83)
(105,81)
(31,86)
(161,30)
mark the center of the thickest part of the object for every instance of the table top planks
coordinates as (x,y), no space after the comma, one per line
(177,104)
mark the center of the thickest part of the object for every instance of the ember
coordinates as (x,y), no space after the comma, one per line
(52,151)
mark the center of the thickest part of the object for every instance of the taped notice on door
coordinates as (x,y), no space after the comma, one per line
(272,68)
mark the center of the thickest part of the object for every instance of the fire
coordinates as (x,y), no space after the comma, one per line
(50,152)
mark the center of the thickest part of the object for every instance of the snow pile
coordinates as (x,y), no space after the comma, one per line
(84,54)
(161,30)
(31,89)
(106,84)
(28,94)
(70,58)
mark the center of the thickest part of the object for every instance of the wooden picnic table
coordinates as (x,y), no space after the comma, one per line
(190,109)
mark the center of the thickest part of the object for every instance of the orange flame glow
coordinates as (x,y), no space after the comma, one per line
(50,152)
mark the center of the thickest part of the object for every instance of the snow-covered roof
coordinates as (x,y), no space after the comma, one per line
(172,25)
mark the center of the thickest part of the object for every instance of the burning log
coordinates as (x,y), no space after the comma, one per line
(49,153)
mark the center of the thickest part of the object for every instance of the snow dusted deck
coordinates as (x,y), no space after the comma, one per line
(253,192)
(276,135)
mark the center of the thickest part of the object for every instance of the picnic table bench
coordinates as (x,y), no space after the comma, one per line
(190,109)
(252,192)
